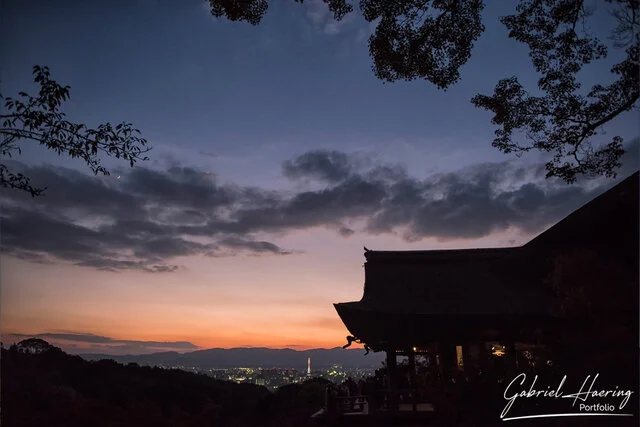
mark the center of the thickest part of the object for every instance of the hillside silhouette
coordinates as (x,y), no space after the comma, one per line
(252,357)
(42,385)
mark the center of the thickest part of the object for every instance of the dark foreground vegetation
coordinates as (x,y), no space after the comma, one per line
(43,386)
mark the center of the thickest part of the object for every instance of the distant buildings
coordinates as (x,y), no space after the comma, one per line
(273,378)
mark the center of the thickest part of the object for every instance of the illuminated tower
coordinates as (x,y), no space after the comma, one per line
(309,367)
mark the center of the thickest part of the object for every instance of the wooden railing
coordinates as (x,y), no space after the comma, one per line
(352,405)
(386,400)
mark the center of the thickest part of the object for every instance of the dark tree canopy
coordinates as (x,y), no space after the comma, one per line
(52,388)
(432,39)
(34,346)
(38,118)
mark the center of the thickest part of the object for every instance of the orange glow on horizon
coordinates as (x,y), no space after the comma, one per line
(332,340)
(270,301)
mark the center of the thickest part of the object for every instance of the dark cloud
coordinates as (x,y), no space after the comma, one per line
(107,344)
(35,234)
(471,204)
(107,264)
(353,198)
(253,246)
(148,219)
(124,224)
(329,166)
(33,257)
(184,187)
(346,231)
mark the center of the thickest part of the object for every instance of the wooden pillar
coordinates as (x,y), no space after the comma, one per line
(468,359)
(474,356)
(391,379)
(460,360)
(448,359)
(438,361)
(413,379)
(512,356)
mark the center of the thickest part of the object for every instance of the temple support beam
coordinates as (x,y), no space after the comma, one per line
(448,359)
(391,379)
(512,357)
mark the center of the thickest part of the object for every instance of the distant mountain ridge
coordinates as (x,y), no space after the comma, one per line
(254,357)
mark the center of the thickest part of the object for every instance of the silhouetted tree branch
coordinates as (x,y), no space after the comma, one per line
(39,119)
(432,39)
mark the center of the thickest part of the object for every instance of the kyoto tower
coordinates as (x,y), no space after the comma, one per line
(309,367)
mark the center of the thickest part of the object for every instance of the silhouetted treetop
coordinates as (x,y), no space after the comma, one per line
(34,346)
(39,118)
(432,39)
(422,40)
(252,11)
(562,120)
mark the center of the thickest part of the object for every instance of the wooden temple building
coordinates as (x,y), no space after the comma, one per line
(454,306)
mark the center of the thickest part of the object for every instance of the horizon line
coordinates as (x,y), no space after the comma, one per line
(244,348)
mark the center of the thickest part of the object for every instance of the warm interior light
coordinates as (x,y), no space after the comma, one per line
(459,358)
(498,350)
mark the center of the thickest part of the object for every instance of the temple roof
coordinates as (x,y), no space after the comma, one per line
(451,282)
(496,281)
(609,223)
(432,254)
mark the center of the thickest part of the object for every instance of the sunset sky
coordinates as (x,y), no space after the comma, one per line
(277,155)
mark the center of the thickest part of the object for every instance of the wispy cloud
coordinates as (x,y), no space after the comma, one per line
(85,342)
(362,35)
(206,9)
(365,31)
(317,11)
(322,19)
(333,27)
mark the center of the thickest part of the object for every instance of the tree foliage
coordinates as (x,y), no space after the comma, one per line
(432,39)
(39,118)
(34,346)
(52,388)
